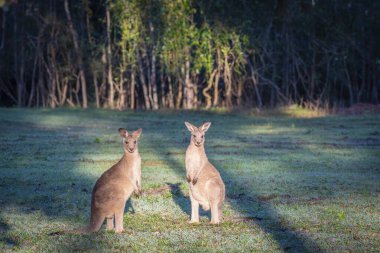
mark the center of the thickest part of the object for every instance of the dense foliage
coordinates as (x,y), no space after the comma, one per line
(188,54)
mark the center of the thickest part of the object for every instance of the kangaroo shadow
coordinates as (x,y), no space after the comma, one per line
(179,198)
(184,201)
(129,207)
(260,212)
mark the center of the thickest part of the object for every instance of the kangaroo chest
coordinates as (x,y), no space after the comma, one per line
(134,169)
(194,162)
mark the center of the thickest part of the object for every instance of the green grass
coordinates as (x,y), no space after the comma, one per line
(293,184)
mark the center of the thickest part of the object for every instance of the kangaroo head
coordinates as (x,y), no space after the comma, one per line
(130,140)
(198,133)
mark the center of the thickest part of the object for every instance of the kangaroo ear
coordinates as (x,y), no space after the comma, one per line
(137,133)
(123,133)
(205,126)
(190,127)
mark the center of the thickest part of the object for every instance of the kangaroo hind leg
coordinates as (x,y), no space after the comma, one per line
(194,209)
(110,222)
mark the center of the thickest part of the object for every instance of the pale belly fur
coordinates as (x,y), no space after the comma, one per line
(198,196)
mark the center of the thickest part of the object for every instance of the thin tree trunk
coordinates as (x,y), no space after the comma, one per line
(182,84)
(143,82)
(93,56)
(102,89)
(63,96)
(145,60)
(349,85)
(18,62)
(40,84)
(228,82)
(121,101)
(132,94)
(21,79)
(207,88)
(170,93)
(111,91)
(32,88)
(163,97)
(255,82)
(217,77)
(79,53)
(239,91)
(189,87)
(96,88)
(153,79)
(179,95)
(363,82)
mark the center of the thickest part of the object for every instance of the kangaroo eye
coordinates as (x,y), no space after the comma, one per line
(126,142)
(203,136)
(194,136)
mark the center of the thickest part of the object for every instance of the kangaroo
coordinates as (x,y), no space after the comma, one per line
(206,185)
(115,186)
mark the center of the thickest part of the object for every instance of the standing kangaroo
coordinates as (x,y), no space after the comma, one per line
(115,186)
(206,186)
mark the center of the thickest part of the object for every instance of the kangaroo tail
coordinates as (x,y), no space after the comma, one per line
(94,226)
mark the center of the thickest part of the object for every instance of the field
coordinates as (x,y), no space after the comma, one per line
(294,184)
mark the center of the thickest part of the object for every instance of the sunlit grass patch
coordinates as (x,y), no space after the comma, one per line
(288,111)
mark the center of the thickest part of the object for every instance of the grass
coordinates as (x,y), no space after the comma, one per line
(294,184)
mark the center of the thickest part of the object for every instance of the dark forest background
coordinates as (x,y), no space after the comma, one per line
(189,54)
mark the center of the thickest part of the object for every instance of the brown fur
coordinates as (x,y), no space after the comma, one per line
(206,185)
(115,186)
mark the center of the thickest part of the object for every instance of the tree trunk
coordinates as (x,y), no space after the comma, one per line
(40,84)
(179,95)
(217,77)
(143,83)
(93,55)
(19,60)
(132,95)
(120,103)
(228,82)
(153,79)
(255,83)
(170,93)
(78,52)
(163,97)
(111,91)
(189,88)
(102,89)
(239,91)
(207,88)
(349,85)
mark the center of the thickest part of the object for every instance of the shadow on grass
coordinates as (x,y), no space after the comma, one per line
(6,241)
(183,201)
(179,198)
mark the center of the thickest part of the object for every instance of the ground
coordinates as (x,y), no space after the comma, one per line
(294,184)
